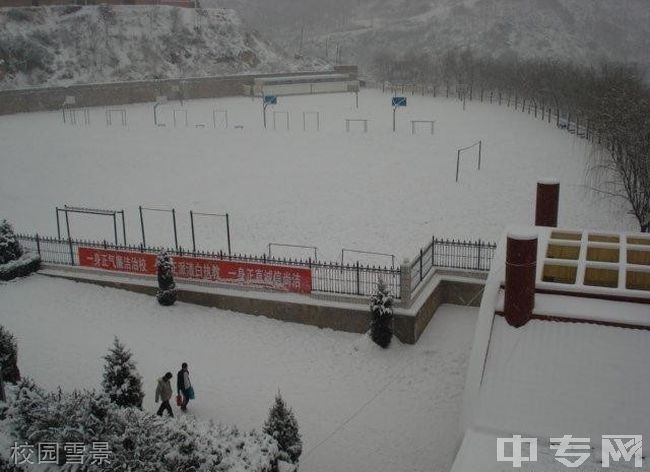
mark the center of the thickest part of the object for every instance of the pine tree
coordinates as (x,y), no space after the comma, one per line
(283,427)
(381,306)
(121,381)
(9,356)
(10,249)
(166,287)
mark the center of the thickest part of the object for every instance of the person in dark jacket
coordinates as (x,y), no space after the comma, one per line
(184,386)
(164,392)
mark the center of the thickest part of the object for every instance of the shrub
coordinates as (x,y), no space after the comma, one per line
(137,440)
(381,325)
(121,381)
(19,14)
(10,249)
(9,356)
(283,427)
(166,287)
(24,54)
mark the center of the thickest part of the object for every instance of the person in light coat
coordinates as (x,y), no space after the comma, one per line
(164,393)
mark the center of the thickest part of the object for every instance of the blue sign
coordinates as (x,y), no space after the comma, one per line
(270,100)
(399,102)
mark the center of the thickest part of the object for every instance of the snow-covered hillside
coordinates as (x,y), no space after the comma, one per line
(577,30)
(73,44)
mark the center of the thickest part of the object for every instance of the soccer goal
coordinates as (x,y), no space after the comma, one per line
(375,256)
(111,113)
(113,214)
(76,116)
(280,114)
(289,250)
(311,120)
(363,122)
(180,118)
(172,211)
(423,124)
(218,216)
(220,118)
(478,146)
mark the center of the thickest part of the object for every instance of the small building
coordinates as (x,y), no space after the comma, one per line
(305,84)
(577,364)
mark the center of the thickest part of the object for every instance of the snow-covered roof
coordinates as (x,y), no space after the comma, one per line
(294,79)
(549,378)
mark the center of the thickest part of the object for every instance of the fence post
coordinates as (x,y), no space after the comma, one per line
(38,244)
(405,282)
(358,280)
(421,257)
(71,251)
(228,232)
(433,251)
(478,258)
(144,241)
(175,232)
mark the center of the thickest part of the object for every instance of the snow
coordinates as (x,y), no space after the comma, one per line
(478,452)
(360,408)
(381,191)
(24,260)
(550,378)
(142,42)
(590,309)
(554,378)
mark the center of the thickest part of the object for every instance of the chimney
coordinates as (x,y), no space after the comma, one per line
(521,266)
(547,202)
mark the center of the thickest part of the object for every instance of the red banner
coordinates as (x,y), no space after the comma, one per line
(275,277)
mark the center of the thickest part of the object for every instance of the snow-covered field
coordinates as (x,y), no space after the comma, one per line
(360,408)
(379,191)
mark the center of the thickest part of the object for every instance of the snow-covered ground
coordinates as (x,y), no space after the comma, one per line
(381,191)
(360,408)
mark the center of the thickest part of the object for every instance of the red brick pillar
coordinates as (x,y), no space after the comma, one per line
(521,265)
(547,202)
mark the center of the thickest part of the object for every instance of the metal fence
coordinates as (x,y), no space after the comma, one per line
(327,277)
(348,279)
(571,122)
(469,255)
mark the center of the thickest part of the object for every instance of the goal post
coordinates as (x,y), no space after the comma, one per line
(226,216)
(292,246)
(220,113)
(277,114)
(113,214)
(142,209)
(348,122)
(479,145)
(430,123)
(314,114)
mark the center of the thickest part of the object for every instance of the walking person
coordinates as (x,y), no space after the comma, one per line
(164,392)
(184,386)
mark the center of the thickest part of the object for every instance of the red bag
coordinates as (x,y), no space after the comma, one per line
(179,400)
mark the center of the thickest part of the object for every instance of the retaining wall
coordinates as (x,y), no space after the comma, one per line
(122,93)
(350,314)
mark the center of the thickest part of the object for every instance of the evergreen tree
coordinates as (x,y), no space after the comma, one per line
(283,427)
(121,381)
(381,306)
(9,356)
(166,287)
(10,249)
